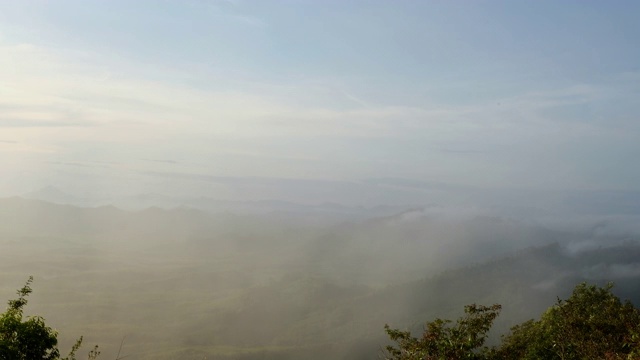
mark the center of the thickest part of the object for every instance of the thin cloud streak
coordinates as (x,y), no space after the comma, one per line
(22,123)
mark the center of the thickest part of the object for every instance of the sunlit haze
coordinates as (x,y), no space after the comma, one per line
(318,101)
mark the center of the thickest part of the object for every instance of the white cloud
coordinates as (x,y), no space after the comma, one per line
(74,87)
(46,85)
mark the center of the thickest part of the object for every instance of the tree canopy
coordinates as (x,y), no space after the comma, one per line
(591,324)
(29,338)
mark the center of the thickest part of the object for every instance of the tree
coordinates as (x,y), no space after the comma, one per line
(591,324)
(441,341)
(29,338)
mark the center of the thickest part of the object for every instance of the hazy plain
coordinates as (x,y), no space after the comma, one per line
(186,283)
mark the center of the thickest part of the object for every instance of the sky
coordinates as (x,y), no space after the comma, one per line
(195,97)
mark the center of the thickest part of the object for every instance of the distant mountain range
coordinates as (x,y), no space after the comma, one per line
(610,210)
(326,211)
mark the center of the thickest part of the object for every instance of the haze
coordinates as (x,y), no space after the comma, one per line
(186,97)
(279,179)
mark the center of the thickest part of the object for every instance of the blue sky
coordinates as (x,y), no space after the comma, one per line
(110,95)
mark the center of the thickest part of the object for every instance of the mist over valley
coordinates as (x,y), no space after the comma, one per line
(300,281)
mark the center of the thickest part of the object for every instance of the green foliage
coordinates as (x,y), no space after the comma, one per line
(29,338)
(591,324)
(442,341)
